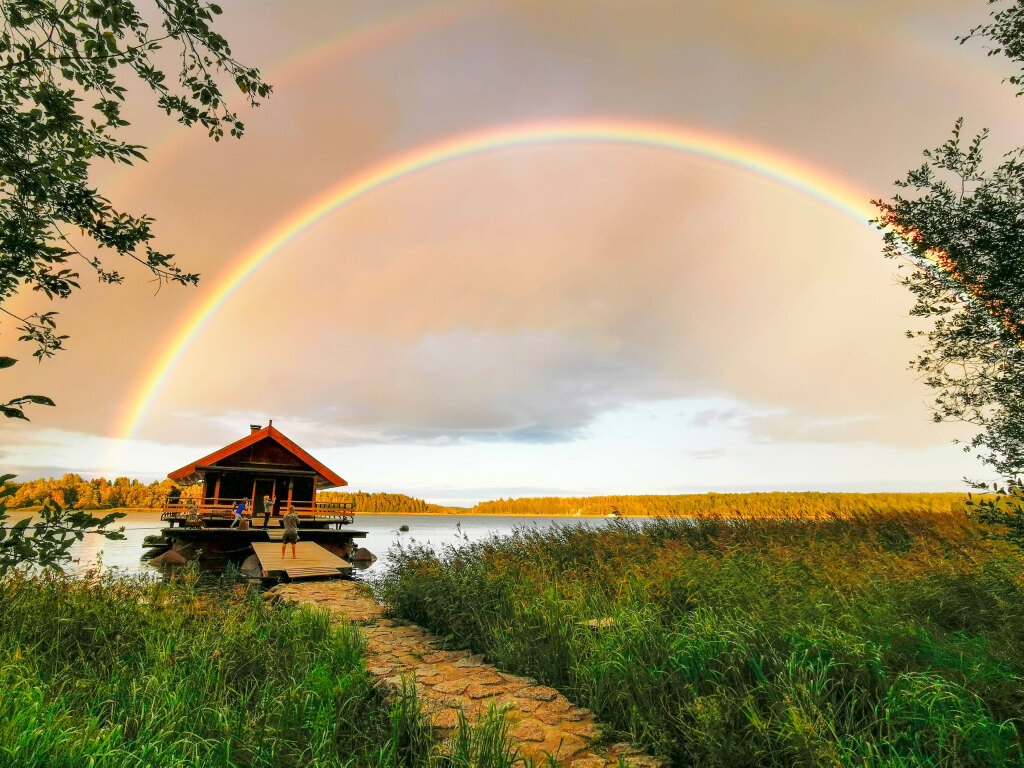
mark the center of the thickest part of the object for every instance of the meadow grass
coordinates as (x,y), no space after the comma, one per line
(114,672)
(880,640)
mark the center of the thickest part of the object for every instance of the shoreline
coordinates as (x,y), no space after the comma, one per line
(467,513)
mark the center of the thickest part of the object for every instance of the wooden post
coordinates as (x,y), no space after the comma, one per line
(291,484)
(216,492)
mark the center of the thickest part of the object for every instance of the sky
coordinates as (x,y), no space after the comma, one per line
(559,311)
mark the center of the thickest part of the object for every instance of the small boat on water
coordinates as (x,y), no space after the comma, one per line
(265,464)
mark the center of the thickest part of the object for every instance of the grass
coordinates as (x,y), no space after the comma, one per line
(880,640)
(117,672)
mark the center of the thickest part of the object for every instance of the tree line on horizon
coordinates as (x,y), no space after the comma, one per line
(803,504)
(73,492)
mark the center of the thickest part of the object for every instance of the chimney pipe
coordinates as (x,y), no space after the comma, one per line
(254,428)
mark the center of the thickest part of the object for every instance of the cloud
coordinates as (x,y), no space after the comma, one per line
(520,296)
(573,282)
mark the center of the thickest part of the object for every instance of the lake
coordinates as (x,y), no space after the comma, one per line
(381,532)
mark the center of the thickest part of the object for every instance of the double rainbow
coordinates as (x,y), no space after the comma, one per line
(830,192)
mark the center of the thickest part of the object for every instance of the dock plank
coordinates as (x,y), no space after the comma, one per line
(310,559)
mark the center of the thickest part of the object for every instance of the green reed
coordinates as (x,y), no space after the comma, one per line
(129,672)
(872,641)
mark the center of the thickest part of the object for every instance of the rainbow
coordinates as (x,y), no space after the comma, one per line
(766,163)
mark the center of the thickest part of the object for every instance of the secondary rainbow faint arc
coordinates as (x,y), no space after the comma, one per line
(761,161)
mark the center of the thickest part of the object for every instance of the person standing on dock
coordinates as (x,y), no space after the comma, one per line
(268,508)
(291,530)
(239,512)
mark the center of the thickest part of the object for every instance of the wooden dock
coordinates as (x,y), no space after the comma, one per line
(310,560)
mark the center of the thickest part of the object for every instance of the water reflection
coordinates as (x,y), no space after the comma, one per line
(382,531)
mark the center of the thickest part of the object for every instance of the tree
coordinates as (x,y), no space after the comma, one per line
(62,72)
(52,535)
(961,233)
(63,67)
(959,228)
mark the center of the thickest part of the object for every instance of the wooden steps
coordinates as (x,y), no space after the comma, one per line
(310,560)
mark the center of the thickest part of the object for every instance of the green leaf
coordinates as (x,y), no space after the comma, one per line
(38,399)
(7,362)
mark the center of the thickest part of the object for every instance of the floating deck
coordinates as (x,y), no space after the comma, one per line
(310,560)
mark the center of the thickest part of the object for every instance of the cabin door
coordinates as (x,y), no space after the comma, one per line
(263,488)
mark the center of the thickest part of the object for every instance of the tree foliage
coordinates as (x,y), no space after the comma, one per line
(959,228)
(1005,31)
(958,224)
(46,542)
(65,68)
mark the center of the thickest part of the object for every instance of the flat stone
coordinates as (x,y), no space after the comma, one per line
(485,676)
(452,685)
(476,691)
(622,748)
(537,693)
(586,729)
(529,731)
(513,684)
(562,745)
(471,661)
(549,717)
(446,718)
(527,705)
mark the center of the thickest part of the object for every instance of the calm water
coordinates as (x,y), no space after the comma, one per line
(381,532)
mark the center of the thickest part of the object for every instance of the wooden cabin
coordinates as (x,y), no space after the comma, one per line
(263,463)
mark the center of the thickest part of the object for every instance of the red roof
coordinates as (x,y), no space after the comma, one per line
(326,478)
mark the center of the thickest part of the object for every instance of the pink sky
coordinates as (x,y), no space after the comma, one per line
(568,318)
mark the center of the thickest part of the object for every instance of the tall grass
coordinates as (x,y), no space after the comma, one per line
(113,672)
(873,641)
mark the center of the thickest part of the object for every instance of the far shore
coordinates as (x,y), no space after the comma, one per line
(469,512)
(445,512)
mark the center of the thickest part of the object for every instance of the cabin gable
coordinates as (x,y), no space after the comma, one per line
(265,453)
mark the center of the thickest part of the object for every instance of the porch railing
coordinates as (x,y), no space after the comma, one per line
(191,511)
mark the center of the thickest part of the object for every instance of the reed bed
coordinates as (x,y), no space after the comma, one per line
(871,640)
(113,672)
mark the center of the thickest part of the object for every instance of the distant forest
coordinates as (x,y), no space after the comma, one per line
(73,492)
(807,505)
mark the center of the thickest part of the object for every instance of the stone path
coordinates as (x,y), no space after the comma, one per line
(542,721)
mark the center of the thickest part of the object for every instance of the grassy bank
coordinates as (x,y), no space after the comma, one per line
(883,640)
(117,673)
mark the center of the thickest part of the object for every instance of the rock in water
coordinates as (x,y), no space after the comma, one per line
(170,558)
(251,567)
(363,555)
(403,527)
